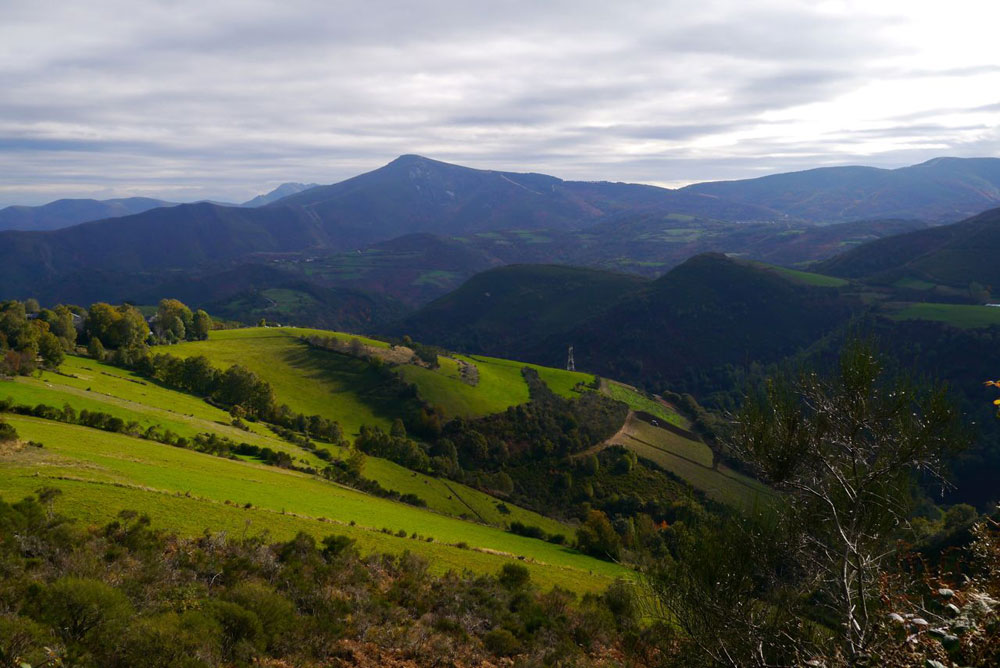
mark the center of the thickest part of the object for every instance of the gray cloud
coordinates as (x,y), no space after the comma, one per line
(190,99)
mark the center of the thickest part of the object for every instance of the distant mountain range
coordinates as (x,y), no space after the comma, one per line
(939,190)
(417,228)
(67,212)
(415,194)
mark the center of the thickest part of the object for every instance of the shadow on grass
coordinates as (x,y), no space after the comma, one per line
(346,374)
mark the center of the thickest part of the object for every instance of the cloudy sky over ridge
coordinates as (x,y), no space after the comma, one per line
(182,100)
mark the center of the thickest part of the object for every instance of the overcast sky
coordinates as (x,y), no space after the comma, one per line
(183,100)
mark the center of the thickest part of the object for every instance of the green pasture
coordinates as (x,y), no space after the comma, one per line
(692,462)
(640,402)
(338,387)
(309,380)
(806,277)
(289,301)
(57,390)
(500,384)
(104,393)
(965,316)
(188,491)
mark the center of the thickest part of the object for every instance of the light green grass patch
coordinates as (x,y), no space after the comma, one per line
(692,462)
(288,301)
(500,385)
(911,283)
(806,277)
(503,372)
(965,316)
(640,402)
(32,391)
(436,277)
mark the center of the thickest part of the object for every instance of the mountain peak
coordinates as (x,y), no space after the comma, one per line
(414,160)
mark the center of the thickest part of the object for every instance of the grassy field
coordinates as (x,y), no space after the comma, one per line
(911,283)
(117,392)
(500,384)
(640,402)
(338,387)
(310,381)
(88,385)
(444,387)
(807,278)
(960,315)
(690,461)
(101,473)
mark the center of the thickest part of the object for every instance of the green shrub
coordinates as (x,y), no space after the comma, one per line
(514,576)
(275,613)
(190,640)
(22,641)
(7,432)
(501,642)
(334,545)
(242,632)
(80,607)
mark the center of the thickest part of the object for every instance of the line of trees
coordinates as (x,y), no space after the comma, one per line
(31,335)
(124,328)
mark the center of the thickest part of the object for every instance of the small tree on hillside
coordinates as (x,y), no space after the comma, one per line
(7,432)
(51,349)
(201,325)
(95,348)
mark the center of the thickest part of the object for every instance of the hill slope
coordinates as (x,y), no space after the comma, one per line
(953,255)
(940,190)
(503,310)
(709,312)
(178,237)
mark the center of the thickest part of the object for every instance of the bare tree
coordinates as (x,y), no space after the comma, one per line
(845,454)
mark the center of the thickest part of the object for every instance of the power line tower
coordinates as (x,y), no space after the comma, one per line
(570,364)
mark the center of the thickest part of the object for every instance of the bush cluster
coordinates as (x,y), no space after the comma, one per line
(128,595)
(30,334)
